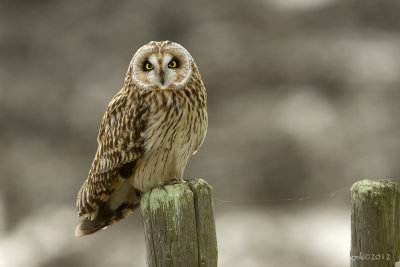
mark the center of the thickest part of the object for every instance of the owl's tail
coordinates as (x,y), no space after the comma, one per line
(105,218)
(122,202)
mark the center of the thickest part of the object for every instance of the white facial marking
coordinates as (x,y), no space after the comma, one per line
(170,74)
(189,65)
(134,63)
(152,75)
(167,58)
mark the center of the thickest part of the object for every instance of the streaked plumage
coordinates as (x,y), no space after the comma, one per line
(148,132)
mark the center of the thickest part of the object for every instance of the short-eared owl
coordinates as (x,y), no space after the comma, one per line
(148,132)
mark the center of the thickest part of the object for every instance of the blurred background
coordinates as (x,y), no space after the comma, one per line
(303,100)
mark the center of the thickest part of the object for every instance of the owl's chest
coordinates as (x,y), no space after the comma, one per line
(170,130)
(168,145)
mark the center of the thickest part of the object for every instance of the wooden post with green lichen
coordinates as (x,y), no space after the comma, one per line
(375,223)
(179,225)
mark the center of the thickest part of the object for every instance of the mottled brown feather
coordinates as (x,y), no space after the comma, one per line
(121,144)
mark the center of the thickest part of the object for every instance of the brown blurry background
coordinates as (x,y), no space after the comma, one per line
(303,100)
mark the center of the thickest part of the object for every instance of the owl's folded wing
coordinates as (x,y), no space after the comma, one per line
(120,144)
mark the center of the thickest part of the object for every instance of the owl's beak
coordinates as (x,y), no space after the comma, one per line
(162,77)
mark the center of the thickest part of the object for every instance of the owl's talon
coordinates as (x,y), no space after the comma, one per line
(163,187)
(172,182)
(169,182)
(138,193)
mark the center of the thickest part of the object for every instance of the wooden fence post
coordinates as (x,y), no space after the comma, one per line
(375,223)
(179,225)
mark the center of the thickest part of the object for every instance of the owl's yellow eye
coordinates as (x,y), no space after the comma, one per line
(173,64)
(148,66)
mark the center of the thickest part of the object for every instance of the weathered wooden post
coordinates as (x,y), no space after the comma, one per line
(375,223)
(179,225)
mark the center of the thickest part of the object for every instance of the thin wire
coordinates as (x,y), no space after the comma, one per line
(294,199)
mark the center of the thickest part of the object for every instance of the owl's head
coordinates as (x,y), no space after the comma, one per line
(161,65)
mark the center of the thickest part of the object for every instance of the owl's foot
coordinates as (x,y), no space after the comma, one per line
(163,188)
(172,182)
(169,182)
(138,193)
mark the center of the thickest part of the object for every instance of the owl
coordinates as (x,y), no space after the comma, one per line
(148,132)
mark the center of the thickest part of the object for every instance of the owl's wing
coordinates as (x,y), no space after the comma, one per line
(120,144)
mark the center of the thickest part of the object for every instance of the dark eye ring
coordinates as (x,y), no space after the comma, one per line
(148,66)
(173,64)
